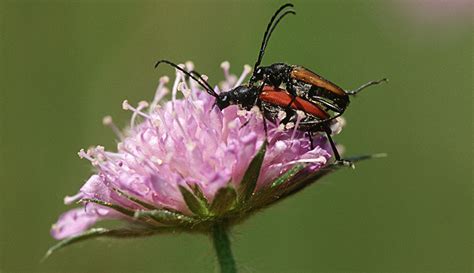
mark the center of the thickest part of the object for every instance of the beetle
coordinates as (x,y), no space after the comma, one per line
(288,88)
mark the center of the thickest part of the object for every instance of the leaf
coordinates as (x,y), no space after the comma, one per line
(249,181)
(166,217)
(102,232)
(194,204)
(224,200)
(288,175)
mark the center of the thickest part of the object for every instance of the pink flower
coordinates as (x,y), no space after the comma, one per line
(187,164)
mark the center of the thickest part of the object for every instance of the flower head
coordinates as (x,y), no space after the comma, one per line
(186,164)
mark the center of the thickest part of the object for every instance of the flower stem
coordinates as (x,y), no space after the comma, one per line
(221,243)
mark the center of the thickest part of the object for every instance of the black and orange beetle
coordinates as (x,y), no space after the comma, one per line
(288,88)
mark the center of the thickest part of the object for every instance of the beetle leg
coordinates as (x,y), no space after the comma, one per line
(311,144)
(334,150)
(262,109)
(364,86)
(292,92)
(245,124)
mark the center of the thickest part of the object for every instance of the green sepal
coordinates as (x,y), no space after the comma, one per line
(134,199)
(118,208)
(288,175)
(270,195)
(249,181)
(199,194)
(195,205)
(166,217)
(102,232)
(224,200)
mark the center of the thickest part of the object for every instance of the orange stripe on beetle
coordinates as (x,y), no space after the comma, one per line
(307,76)
(282,98)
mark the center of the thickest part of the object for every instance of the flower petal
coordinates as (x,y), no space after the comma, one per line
(78,220)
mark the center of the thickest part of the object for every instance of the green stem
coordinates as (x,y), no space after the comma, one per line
(221,243)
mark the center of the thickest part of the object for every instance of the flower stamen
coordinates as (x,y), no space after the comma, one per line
(107,121)
(160,92)
(244,74)
(299,116)
(136,111)
(177,80)
(226,68)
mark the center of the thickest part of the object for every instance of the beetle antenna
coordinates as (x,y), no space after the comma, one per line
(206,86)
(269,30)
(278,20)
(197,74)
(364,86)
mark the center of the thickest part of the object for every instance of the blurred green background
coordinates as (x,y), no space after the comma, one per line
(66,64)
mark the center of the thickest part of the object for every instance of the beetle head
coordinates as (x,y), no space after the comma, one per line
(223,100)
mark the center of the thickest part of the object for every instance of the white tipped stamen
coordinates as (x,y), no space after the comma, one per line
(226,68)
(189,65)
(281,115)
(192,83)
(299,116)
(174,90)
(160,92)
(99,149)
(120,146)
(164,79)
(182,87)
(289,125)
(101,156)
(107,121)
(142,104)
(158,97)
(183,84)
(244,74)
(225,65)
(138,111)
(125,105)
(82,154)
(188,93)
(337,125)
(206,78)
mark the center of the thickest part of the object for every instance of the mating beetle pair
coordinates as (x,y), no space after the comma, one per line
(289,88)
